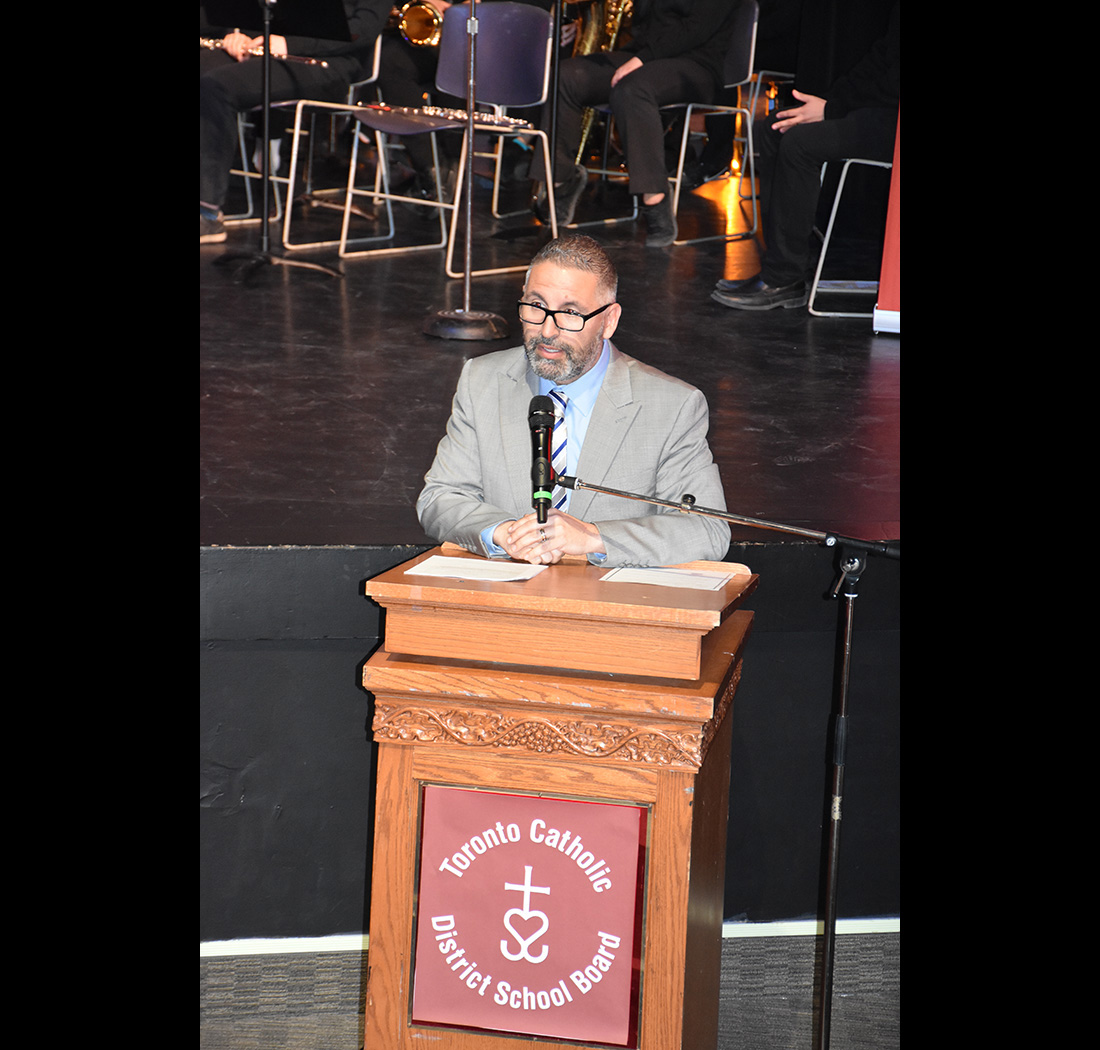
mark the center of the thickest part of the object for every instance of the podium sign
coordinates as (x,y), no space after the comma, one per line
(529,915)
(549,841)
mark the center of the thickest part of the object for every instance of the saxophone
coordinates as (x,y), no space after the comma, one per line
(606,21)
(419,23)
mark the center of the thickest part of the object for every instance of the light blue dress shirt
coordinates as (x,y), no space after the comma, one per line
(581,395)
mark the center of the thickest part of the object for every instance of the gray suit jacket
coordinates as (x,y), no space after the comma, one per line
(647,435)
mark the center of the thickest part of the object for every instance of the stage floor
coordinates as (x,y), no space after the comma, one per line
(322,400)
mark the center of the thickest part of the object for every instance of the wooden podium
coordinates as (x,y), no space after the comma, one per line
(560,708)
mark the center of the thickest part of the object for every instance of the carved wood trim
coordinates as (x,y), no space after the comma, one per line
(664,743)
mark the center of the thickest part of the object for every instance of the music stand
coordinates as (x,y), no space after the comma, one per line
(323,19)
(466,323)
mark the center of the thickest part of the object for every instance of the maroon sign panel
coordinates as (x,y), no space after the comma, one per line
(529,915)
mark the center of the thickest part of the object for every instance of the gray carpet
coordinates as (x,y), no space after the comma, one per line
(314,1002)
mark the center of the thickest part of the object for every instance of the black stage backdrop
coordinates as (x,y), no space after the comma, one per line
(286,756)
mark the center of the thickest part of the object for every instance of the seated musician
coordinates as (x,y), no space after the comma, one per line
(231,82)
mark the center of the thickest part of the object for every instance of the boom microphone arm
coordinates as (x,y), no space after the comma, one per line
(687,504)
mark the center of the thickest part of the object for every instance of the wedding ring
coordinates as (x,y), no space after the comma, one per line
(542,533)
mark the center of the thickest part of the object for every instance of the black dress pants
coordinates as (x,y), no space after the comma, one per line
(635,103)
(789,169)
(228,87)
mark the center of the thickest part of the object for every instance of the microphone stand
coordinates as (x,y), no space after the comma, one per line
(467,323)
(555,59)
(250,262)
(852,564)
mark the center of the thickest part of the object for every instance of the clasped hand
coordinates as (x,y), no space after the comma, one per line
(527,540)
(238,45)
(810,112)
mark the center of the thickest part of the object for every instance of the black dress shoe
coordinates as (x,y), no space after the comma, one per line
(735,287)
(423,186)
(566,195)
(698,174)
(693,177)
(761,296)
(660,223)
(211,229)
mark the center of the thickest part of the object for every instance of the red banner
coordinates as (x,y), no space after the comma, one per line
(529,915)
(888,309)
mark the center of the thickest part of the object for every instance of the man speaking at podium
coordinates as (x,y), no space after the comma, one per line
(618,424)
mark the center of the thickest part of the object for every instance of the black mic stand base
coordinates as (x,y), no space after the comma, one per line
(466,324)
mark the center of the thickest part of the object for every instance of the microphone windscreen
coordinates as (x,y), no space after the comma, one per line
(541,412)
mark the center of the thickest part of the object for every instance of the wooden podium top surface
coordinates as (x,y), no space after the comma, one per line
(588,623)
(569,589)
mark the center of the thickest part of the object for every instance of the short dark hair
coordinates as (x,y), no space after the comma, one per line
(577,252)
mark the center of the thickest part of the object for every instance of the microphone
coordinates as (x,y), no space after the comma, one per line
(540,418)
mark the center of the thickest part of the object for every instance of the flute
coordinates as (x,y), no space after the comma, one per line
(457,115)
(218,44)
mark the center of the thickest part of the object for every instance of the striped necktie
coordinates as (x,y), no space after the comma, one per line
(559,443)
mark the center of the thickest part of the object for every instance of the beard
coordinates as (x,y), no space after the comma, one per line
(575,360)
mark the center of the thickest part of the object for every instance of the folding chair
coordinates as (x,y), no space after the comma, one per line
(514,49)
(841,287)
(245,172)
(288,180)
(737,72)
(299,109)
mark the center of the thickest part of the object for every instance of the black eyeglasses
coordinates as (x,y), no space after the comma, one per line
(565,320)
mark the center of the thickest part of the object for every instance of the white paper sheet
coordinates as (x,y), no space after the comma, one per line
(696,579)
(470,569)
